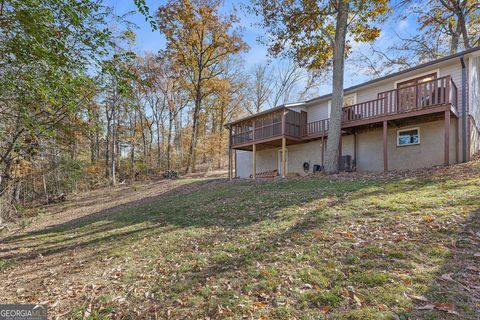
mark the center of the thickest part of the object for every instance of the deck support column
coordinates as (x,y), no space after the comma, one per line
(457,139)
(254,162)
(284,160)
(230,157)
(385,145)
(323,150)
(340,146)
(355,149)
(446,147)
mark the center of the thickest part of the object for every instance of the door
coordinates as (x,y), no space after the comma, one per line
(279,166)
(410,93)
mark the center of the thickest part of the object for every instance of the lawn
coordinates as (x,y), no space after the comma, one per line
(350,246)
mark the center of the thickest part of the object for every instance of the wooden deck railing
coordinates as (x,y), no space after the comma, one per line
(440,91)
(416,97)
(270,125)
(316,128)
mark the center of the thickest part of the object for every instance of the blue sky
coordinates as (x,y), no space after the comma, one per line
(152,41)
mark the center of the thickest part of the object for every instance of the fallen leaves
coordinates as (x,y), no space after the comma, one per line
(445,307)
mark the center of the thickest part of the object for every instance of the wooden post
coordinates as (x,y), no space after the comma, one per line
(284,164)
(230,175)
(385,145)
(235,163)
(340,146)
(446,150)
(457,141)
(323,150)
(254,162)
(355,149)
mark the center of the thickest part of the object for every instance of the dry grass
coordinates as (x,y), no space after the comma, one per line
(351,246)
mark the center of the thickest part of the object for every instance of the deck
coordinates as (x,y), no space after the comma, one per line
(268,129)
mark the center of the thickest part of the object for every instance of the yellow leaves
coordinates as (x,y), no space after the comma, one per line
(259,304)
(326,309)
(21,168)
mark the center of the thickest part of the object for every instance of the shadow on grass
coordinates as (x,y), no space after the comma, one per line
(238,206)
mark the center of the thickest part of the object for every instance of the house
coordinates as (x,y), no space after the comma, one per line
(421,117)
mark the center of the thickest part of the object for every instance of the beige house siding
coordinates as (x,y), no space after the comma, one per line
(317,111)
(427,154)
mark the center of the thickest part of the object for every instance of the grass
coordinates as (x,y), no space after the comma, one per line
(346,247)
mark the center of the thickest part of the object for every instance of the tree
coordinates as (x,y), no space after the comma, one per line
(314,33)
(261,87)
(458,20)
(199,38)
(46,49)
(445,27)
(287,78)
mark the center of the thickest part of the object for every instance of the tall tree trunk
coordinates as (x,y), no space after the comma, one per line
(113,149)
(463,27)
(335,129)
(455,37)
(5,191)
(107,145)
(193,145)
(169,140)
(159,147)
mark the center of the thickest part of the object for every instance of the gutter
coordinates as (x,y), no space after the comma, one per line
(464,109)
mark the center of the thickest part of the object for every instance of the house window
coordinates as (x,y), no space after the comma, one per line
(408,137)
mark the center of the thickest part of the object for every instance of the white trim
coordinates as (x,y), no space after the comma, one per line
(295,104)
(408,144)
(418,75)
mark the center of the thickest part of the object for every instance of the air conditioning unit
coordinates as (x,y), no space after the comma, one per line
(345,163)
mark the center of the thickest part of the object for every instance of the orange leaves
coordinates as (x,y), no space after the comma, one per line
(428,218)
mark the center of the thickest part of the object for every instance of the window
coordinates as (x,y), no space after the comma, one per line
(408,137)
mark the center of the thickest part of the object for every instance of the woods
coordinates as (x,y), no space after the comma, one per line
(81,107)
(253,159)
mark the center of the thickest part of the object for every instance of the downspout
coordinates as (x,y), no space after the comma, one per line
(464,109)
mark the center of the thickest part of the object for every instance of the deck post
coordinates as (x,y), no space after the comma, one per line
(457,141)
(446,150)
(323,149)
(230,158)
(385,145)
(355,149)
(254,162)
(340,146)
(284,164)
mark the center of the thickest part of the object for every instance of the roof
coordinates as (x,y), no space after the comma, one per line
(358,86)
(296,104)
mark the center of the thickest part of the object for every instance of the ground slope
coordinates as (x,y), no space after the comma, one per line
(395,246)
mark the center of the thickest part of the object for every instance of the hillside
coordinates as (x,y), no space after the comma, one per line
(350,246)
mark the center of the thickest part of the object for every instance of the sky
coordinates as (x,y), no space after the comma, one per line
(152,41)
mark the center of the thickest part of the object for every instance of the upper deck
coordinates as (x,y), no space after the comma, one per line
(421,99)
